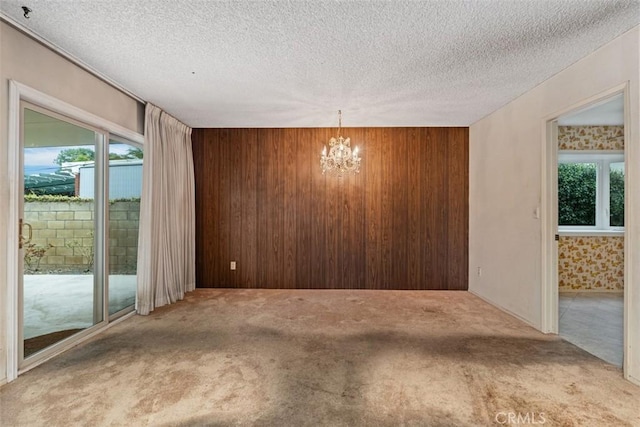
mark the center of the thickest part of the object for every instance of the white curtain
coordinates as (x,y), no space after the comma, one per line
(166,249)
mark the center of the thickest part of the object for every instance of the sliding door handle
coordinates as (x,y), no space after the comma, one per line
(22,240)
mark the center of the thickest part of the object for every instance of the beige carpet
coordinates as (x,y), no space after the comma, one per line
(329,358)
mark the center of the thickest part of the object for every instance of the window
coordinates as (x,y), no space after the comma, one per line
(590,191)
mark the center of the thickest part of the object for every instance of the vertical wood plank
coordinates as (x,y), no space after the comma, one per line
(333,238)
(224,203)
(235,205)
(458,208)
(262,211)
(399,214)
(197,136)
(354,272)
(431,185)
(304,214)
(386,207)
(289,178)
(373,210)
(318,212)
(210,209)
(248,265)
(415,147)
(440,218)
(274,221)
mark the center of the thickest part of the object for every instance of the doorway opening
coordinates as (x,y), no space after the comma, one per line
(590,200)
(585,209)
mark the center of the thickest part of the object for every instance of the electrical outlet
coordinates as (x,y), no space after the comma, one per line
(479,271)
(233,265)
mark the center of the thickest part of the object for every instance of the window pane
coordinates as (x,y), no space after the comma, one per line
(61,295)
(616,194)
(125,186)
(577,194)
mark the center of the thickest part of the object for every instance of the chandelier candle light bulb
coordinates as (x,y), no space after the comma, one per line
(340,159)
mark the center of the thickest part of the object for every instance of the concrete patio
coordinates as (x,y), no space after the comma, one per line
(57,302)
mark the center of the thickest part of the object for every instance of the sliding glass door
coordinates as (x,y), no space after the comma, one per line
(61,294)
(79,230)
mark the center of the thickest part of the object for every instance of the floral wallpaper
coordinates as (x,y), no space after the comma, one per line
(591,263)
(591,137)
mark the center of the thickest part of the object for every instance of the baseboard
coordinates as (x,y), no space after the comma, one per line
(3,381)
(633,380)
(504,310)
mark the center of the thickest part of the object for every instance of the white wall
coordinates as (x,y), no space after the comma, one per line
(28,62)
(505,184)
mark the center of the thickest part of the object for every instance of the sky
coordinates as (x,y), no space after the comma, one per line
(42,159)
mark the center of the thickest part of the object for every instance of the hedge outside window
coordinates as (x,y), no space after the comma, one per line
(590,191)
(616,194)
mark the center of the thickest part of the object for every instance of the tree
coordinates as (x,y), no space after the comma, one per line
(88,155)
(75,155)
(116,156)
(134,153)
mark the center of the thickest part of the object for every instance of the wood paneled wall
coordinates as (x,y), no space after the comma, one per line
(262,201)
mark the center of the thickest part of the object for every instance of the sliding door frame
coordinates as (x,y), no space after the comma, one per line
(120,139)
(100,279)
(18,93)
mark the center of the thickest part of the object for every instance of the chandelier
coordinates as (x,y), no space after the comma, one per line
(340,159)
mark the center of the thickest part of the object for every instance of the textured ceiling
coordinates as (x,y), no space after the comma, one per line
(295,63)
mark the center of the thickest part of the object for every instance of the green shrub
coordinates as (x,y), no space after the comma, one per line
(577,195)
(617,198)
(51,198)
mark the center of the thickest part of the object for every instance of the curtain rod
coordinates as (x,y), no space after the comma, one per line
(66,55)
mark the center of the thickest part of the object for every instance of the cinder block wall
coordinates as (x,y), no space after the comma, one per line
(69,228)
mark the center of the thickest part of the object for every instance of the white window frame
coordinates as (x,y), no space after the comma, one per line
(603,160)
